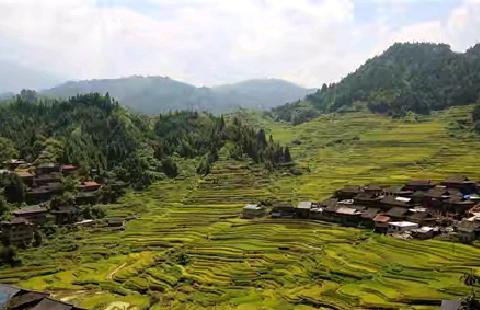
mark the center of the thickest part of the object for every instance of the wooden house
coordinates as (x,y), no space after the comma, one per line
(284,210)
(348,216)
(348,192)
(13,164)
(424,233)
(26,177)
(38,194)
(458,206)
(367,216)
(418,185)
(47,168)
(116,222)
(381,223)
(18,231)
(397,213)
(44,179)
(89,186)
(397,191)
(34,214)
(68,169)
(85,198)
(462,183)
(388,202)
(65,215)
(367,199)
(253,211)
(373,189)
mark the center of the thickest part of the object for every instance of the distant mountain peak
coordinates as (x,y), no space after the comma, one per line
(155,94)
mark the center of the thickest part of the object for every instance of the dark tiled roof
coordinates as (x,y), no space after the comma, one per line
(391,201)
(29,210)
(397,212)
(373,187)
(457,179)
(370,213)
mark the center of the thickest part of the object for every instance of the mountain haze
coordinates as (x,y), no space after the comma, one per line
(162,94)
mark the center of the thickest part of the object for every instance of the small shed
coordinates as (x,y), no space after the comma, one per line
(424,233)
(401,226)
(116,222)
(253,211)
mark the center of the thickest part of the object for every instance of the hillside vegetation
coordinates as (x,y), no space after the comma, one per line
(97,133)
(189,249)
(155,95)
(407,77)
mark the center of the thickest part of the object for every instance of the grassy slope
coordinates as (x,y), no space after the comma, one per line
(274,264)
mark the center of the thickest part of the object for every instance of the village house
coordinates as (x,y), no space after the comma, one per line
(38,194)
(348,216)
(84,198)
(397,213)
(395,201)
(26,177)
(373,189)
(13,164)
(468,229)
(418,185)
(47,168)
(461,183)
(401,226)
(65,215)
(381,223)
(348,192)
(458,206)
(424,233)
(18,231)
(396,191)
(253,211)
(367,216)
(303,209)
(67,169)
(284,210)
(34,214)
(367,199)
(116,222)
(89,186)
(44,179)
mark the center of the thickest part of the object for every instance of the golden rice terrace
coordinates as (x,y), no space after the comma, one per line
(189,249)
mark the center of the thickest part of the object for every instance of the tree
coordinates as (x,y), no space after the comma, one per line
(288,158)
(8,256)
(7,149)
(169,167)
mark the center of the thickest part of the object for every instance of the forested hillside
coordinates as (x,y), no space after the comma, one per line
(407,77)
(96,132)
(158,94)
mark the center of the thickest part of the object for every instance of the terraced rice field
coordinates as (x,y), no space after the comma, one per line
(190,250)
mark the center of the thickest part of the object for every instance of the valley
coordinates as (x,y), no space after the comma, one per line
(189,248)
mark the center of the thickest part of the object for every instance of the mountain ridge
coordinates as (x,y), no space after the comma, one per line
(155,94)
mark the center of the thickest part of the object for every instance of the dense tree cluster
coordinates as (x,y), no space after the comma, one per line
(406,77)
(98,134)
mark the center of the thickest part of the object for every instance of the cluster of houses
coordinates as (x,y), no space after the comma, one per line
(44,181)
(418,209)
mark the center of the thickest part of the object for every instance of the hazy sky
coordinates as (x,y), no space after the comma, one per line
(215,41)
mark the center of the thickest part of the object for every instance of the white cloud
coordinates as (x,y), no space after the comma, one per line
(211,41)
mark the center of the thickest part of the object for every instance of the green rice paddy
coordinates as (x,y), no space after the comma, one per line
(190,250)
